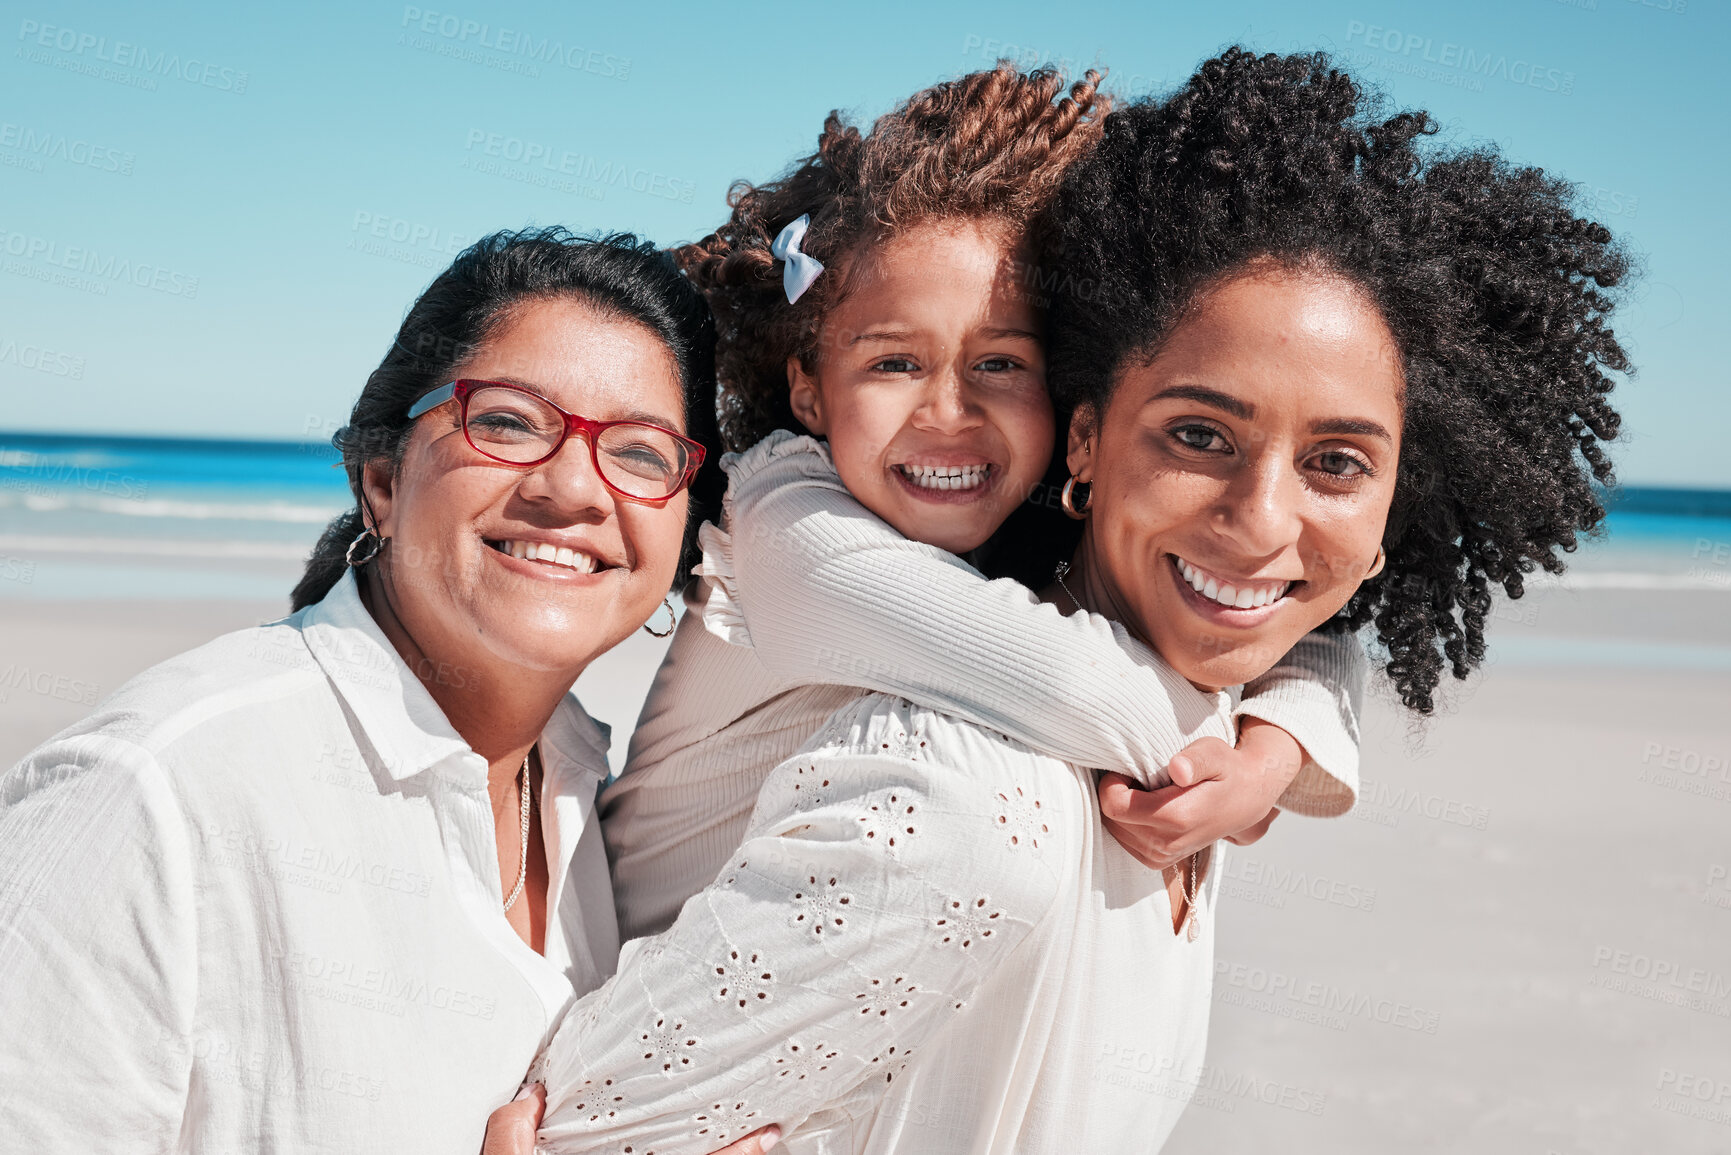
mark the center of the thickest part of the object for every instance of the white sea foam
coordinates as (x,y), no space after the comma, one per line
(301,513)
(1612,580)
(150,547)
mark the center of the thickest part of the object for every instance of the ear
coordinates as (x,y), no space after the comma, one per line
(804,398)
(378,487)
(1083,441)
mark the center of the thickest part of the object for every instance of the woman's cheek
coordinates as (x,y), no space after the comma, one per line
(653,542)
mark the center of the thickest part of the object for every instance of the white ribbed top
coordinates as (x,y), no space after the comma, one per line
(805,599)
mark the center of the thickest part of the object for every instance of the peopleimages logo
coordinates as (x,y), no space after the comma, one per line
(1463,59)
(580,166)
(41,359)
(59,146)
(510,42)
(87,46)
(91,263)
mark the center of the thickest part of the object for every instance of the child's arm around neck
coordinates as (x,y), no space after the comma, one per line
(826,592)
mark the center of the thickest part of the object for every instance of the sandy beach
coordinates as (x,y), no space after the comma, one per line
(1519,942)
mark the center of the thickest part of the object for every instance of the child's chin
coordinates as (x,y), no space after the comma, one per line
(957,540)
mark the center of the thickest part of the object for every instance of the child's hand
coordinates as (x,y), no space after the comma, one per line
(1217,792)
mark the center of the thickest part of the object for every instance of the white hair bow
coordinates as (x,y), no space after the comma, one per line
(800,269)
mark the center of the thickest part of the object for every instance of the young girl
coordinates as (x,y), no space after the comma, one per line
(915,350)
(916,356)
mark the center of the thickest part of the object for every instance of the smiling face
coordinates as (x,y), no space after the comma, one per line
(540,568)
(1251,462)
(930,385)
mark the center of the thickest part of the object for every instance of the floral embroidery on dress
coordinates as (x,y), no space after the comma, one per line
(903,744)
(823,906)
(601,1099)
(964,923)
(802,1061)
(809,784)
(889,820)
(667,1043)
(743,979)
(893,1062)
(726,1121)
(880,998)
(1022,817)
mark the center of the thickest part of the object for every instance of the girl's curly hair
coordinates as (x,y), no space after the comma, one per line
(1496,292)
(991,145)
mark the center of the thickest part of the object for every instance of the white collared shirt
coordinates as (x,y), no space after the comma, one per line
(253,904)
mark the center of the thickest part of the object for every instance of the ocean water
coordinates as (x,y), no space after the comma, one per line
(146,518)
(151,519)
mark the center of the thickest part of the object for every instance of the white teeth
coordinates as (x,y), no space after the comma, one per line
(1242,598)
(946,476)
(548,552)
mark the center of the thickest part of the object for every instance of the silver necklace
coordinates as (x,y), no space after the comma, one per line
(523,843)
(1192,926)
(1189,892)
(1064,568)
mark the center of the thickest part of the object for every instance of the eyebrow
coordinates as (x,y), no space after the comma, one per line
(1224,402)
(910,334)
(1244,411)
(882,335)
(1010,334)
(643,416)
(1351,427)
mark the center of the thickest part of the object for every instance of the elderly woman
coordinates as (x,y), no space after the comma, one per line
(1303,357)
(328,883)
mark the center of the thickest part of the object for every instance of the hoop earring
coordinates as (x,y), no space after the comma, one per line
(1067,499)
(1381,560)
(672,620)
(369,550)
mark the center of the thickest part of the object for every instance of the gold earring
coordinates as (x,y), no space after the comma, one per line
(672,620)
(1067,499)
(1381,560)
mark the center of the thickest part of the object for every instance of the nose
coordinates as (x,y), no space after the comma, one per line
(946,406)
(570,481)
(1260,512)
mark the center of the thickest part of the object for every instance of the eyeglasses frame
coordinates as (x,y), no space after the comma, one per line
(461,389)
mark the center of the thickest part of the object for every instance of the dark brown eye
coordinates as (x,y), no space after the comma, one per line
(1338,464)
(1198,436)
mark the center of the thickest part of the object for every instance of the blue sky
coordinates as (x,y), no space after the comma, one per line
(213,218)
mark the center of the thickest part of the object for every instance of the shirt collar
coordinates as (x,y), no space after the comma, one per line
(400,718)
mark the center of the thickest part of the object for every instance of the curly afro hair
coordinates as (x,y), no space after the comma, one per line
(1496,292)
(991,146)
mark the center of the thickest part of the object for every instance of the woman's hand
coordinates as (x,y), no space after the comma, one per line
(511,1129)
(1217,791)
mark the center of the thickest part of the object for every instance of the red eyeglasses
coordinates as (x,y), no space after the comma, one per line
(517,426)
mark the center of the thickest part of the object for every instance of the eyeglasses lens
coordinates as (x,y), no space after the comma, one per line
(640,460)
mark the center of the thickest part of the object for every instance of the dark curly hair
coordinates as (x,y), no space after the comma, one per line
(468,302)
(991,145)
(1497,294)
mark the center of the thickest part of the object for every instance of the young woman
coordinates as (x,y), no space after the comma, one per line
(327,883)
(1313,362)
